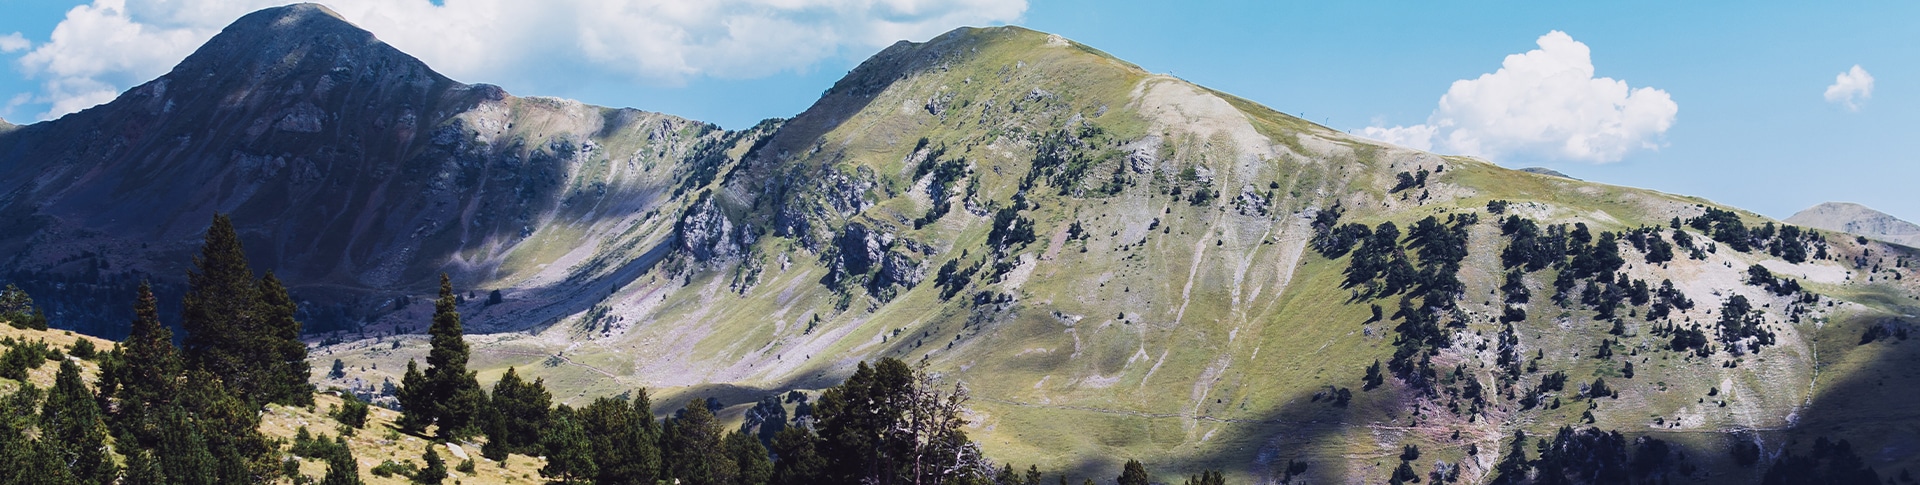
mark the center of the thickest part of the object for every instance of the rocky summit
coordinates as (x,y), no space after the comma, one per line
(1115,264)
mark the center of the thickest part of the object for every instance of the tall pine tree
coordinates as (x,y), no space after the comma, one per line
(234,331)
(283,354)
(454,393)
(144,375)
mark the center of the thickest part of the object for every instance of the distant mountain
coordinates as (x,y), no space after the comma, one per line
(1116,264)
(1859,219)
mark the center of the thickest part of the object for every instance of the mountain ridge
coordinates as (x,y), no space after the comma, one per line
(1117,264)
(1860,220)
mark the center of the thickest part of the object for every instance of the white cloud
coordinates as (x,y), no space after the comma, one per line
(1546,103)
(109,45)
(1851,88)
(14,42)
(1418,137)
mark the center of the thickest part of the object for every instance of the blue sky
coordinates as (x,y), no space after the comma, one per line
(1740,115)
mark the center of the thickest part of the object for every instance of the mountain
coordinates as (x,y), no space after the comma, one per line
(1858,219)
(1116,264)
(352,168)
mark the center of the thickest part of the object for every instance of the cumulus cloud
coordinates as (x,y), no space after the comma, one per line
(109,45)
(14,42)
(1851,88)
(1546,103)
(1418,137)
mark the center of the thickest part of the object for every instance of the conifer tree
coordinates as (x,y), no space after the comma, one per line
(70,423)
(17,451)
(236,330)
(17,309)
(342,469)
(145,374)
(142,469)
(220,309)
(231,428)
(516,413)
(1513,466)
(625,441)
(283,354)
(436,469)
(1133,473)
(453,392)
(416,399)
(749,457)
(181,450)
(569,453)
(800,461)
(693,450)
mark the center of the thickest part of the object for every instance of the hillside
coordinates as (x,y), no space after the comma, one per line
(1116,264)
(1858,219)
(355,171)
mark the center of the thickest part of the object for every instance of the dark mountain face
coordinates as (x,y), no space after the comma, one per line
(351,168)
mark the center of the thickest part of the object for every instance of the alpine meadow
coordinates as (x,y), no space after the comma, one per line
(998,256)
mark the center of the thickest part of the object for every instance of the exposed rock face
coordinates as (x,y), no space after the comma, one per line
(706,234)
(1859,219)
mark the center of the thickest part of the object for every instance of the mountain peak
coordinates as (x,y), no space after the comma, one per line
(303,41)
(1860,220)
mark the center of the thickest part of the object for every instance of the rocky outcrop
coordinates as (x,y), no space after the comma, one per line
(706,234)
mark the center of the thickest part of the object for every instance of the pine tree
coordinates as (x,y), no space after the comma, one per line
(231,428)
(624,440)
(750,458)
(517,411)
(70,422)
(569,453)
(436,469)
(342,469)
(17,309)
(18,454)
(1208,477)
(416,400)
(142,469)
(693,450)
(1513,467)
(856,417)
(800,461)
(281,351)
(182,449)
(1133,473)
(454,392)
(221,313)
(146,373)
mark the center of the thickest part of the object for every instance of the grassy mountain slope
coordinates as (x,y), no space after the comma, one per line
(1141,321)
